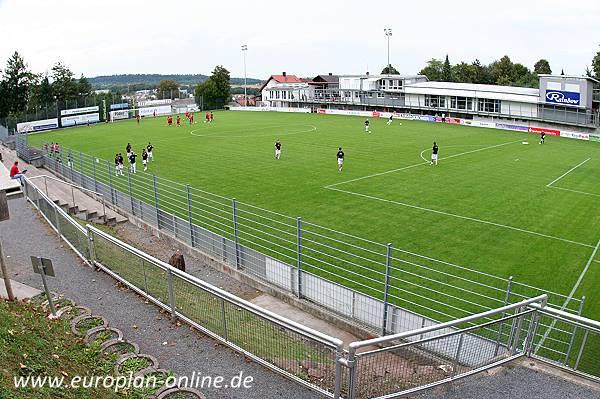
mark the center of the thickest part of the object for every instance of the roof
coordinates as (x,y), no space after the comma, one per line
(282,79)
(570,77)
(384,76)
(525,91)
(328,78)
(286,79)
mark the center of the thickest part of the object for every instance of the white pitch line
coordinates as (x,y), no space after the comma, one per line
(421,163)
(567,172)
(574,191)
(463,217)
(579,280)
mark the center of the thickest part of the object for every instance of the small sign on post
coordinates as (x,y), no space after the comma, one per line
(44,267)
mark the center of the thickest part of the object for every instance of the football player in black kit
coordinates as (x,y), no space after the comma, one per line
(434,154)
(340,159)
(277,149)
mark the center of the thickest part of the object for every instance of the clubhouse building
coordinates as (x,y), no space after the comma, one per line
(571,102)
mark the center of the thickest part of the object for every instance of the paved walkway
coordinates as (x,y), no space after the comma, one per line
(185,350)
(60,191)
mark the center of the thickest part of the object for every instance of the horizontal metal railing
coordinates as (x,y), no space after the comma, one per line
(337,271)
(409,361)
(73,187)
(441,353)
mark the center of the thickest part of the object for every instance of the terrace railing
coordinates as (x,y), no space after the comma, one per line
(384,289)
(269,339)
(385,367)
(388,366)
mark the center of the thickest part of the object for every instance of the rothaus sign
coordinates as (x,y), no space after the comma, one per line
(562,97)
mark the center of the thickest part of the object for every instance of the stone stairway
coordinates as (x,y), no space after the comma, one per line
(71,199)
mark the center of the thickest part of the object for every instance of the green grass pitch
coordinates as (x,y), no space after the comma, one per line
(488,205)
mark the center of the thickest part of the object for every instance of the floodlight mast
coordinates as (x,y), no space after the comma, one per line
(244,49)
(388,33)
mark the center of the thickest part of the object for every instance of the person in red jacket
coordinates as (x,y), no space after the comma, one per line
(15,173)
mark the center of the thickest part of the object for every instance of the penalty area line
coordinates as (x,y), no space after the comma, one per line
(567,172)
(462,217)
(571,294)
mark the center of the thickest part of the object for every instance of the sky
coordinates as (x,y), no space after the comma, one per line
(304,38)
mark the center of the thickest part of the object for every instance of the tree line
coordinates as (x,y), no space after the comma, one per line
(503,72)
(22,90)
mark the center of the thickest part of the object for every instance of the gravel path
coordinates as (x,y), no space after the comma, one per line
(513,383)
(26,234)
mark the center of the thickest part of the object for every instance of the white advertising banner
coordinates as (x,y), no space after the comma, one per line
(272,109)
(160,110)
(151,103)
(116,115)
(75,111)
(34,126)
(80,119)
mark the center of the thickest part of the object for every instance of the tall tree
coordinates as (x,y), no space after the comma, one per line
(64,85)
(216,90)
(596,65)
(447,70)
(16,85)
(84,88)
(482,73)
(433,70)
(168,89)
(502,71)
(542,67)
(389,70)
(464,73)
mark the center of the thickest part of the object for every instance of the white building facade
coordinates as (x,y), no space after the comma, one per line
(568,100)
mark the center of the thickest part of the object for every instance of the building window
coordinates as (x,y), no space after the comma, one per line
(435,101)
(277,94)
(485,105)
(380,95)
(465,103)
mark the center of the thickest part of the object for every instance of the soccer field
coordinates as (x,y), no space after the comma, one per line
(493,203)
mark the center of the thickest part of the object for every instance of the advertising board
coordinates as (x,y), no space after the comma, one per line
(35,126)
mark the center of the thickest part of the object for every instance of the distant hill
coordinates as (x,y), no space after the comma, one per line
(152,80)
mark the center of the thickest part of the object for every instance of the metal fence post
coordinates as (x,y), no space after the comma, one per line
(224,318)
(57,220)
(189,209)
(235,233)
(91,245)
(110,184)
(351,364)
(156,202)
(572,340)
(506,300)
(130,190)
(585,337)
(81,169)
(94,173)
(171,295)
(299,254)
(337,389)
(388,267)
